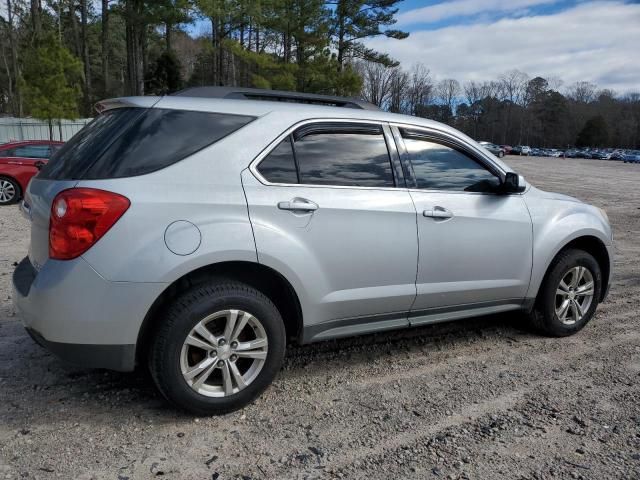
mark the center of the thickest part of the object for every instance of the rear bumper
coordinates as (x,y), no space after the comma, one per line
(112,357)
(81,317)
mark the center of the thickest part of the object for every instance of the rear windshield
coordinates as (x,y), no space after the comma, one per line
(133,141)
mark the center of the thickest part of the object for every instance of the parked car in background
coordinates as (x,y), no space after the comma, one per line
(493,148)
(600,155)
(198,235)
(632,156)
(521,150)
(617,155)
(536,152)
(507,149)
(19,161)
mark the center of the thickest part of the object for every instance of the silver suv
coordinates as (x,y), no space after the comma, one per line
(199,235)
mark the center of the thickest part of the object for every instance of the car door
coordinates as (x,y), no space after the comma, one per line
(330,211)
(475,245)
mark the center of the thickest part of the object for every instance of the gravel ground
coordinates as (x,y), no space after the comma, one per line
(477,399)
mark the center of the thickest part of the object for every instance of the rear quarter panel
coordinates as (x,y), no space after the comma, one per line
(204,189)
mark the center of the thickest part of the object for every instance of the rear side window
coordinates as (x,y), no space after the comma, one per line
(131,141)
(85,147)
(280,165)
(359,159)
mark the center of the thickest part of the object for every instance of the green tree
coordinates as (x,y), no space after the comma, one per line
(51,81)
(269,72)
(224,17)
(170,13)
(594,133)
(321,76)
(355,20)
(165,75)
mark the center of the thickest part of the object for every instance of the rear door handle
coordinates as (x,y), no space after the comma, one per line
(438,212)
(298,205)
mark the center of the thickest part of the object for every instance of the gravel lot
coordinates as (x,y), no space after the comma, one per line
(477,399)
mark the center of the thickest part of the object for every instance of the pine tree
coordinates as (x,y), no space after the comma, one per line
(51,81)
(355,20)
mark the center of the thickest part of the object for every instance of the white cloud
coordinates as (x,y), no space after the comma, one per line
(595,41)
(465,8)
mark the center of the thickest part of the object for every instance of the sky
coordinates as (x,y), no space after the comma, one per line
(596,41)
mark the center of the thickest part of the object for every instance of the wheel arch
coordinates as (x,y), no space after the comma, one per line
(261,277)
(595,247)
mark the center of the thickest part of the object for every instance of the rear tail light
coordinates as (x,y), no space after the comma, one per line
(80,217)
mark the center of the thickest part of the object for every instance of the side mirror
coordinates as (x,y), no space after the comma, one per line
(512,183)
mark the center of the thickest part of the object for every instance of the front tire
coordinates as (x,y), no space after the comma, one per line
(569,294)
(219,346)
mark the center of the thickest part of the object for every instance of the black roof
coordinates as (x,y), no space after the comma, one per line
(241,93)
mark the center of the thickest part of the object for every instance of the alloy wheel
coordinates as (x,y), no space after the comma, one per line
(7,191)
(574,295)
(224,353)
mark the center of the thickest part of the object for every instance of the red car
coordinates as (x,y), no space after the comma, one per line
(19,161)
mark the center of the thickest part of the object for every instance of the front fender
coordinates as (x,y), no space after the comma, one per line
(555,228)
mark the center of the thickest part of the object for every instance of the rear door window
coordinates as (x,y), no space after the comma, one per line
(343,156)
(132,141)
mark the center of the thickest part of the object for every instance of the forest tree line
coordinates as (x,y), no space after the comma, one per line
(513,109)
(58,57)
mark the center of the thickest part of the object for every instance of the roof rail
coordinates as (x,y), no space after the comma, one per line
(241,93)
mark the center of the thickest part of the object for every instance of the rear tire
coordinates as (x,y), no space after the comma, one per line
(9,191)
(569,294)
(209,380)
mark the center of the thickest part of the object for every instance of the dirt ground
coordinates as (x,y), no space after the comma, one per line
(477,399)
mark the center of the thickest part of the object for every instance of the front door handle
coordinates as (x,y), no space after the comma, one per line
(298,205)
(438,212)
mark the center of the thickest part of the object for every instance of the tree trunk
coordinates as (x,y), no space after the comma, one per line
(105,48)
(144,54)
(257,38)
(36,8)
(167,35)
(60,22)
(85,58)
(17,101)
(9,79)
(341,34)
(220,53)
(135,47)
(300,61)
(214,38)
(77,46)
(250,34)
